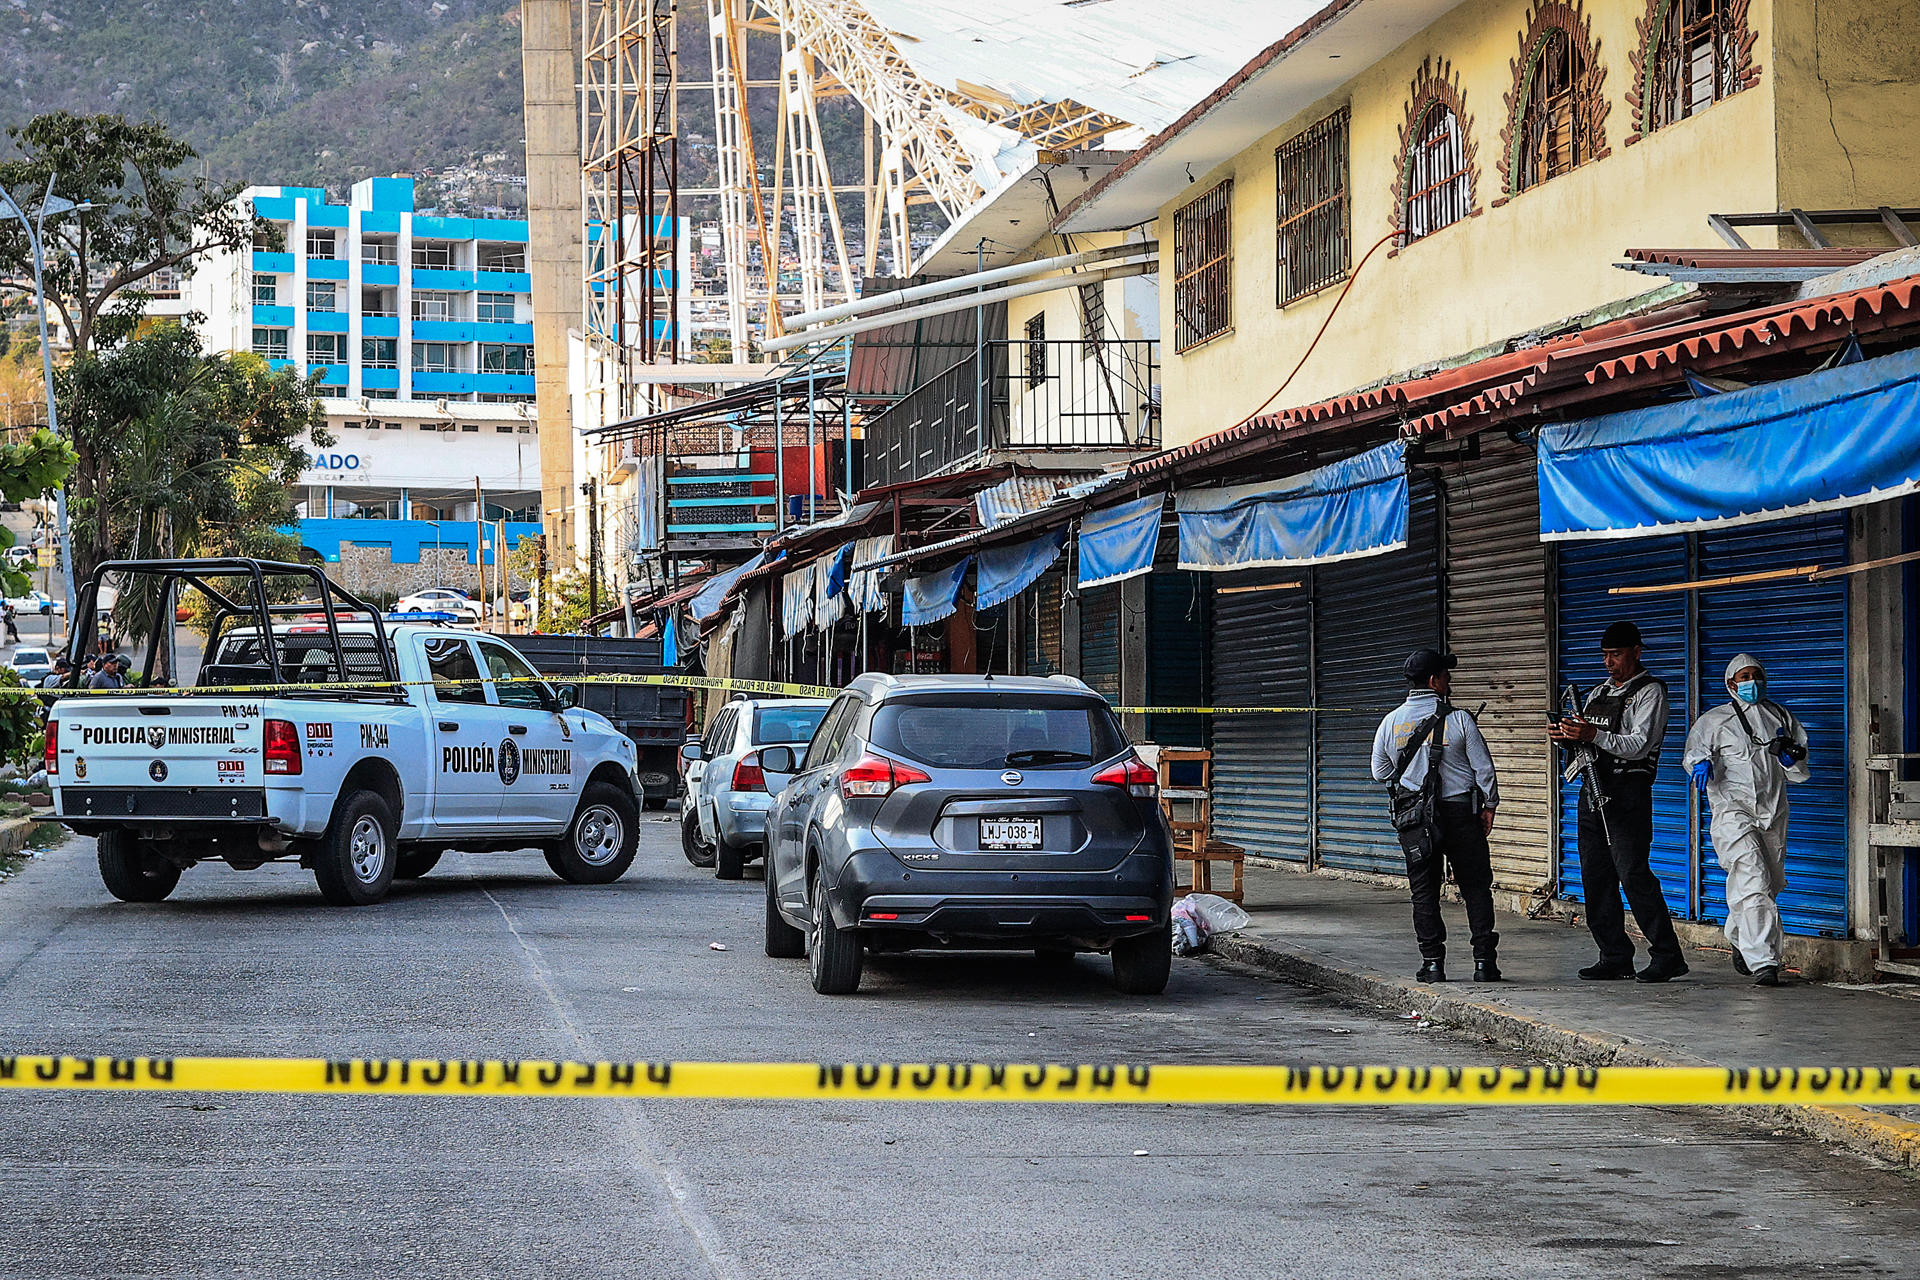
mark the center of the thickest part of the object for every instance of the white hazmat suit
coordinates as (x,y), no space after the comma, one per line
(1748,798)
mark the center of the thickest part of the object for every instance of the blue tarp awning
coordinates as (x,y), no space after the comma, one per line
(1837,438)
(1004,572)
(932,596)
(707,603)
(1356,507)
(1119,542)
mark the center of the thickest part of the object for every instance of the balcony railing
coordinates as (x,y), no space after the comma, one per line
(1062,394)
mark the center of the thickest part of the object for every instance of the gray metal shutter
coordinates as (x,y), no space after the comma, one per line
(1262,764)
(1177,655)
(1040,632)
(1368,615)
(1100,640)
(1497,624)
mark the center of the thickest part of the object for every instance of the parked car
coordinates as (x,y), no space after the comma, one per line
(968,811)
(36,603)
(21,557)
(32,665)
(723,822)
(442,600)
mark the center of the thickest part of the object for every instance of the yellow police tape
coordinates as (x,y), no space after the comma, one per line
(980,1082)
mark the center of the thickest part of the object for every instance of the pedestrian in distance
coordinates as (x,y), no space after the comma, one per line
(110,675)
(13,629)
(58,676)
(1615,740)
(1443,791)
(1742,755)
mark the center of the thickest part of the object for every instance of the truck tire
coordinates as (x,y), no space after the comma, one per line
(729,860)
(698,854)
(415,863)
(835,956)
(1143,963)
(784,942)
(355,863)
(131,870)
(602,839)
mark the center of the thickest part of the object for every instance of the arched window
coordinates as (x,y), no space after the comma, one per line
(1694,59)
(1439,181)
(1556,122)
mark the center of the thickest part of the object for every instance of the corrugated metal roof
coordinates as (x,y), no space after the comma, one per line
(888,363)
(1024,493)
(1712,259)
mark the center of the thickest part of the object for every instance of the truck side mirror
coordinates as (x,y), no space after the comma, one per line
(568,695)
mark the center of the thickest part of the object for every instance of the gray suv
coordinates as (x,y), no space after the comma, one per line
(968,811)
(723,822)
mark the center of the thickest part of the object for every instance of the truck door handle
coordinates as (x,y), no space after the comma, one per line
(449,726)
(517,728)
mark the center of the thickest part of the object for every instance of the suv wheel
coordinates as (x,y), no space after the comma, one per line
(1143,963)
(131,870)
(600,844)
(355,863)
(834,955)
(698,854)
(784,942)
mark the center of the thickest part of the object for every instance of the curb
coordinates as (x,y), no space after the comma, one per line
(14,833)
(1863,1130)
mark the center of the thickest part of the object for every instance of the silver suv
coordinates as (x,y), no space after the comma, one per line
(723,822)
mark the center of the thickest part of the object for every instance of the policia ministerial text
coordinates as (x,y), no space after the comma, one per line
(979,1082)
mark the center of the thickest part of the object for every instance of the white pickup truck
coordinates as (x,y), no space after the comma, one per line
(464,748)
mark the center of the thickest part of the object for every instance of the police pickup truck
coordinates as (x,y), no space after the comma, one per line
(443,739)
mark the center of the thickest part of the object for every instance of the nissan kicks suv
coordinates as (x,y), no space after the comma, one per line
(967,812)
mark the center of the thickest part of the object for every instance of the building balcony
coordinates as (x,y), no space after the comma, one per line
(331,375)
(380,273)
(380,379)
(327,321)
(328,215)
(272,264)
(273,317)
(327,268)
(443,331)
(428,383)
(429,278)
(497,331)
(377,326)
(503,281)
(499,384)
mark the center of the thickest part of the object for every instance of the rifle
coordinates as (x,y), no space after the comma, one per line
(1583,762)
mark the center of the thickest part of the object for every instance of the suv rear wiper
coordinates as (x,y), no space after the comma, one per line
(1047,755)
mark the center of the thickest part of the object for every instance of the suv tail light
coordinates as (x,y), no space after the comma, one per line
(748,775)
(872,776)
(53,748)
(1133,774)
(281,748)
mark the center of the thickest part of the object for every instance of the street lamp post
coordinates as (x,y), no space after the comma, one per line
(49,203)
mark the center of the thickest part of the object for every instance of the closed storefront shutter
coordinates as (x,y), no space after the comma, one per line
(1040,633)
(1369,614)
(1799,630)
(1497,624)
(1262,764)
(1177,656)
(1100,640)
(1587,570)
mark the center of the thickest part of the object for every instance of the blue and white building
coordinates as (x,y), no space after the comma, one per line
(420,330)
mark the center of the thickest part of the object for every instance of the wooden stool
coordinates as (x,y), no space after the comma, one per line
(1202,862)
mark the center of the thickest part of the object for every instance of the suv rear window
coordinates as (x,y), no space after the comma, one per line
(786,724)
(995,730)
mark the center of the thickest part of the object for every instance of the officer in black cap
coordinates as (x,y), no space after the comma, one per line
(1444,790)
(1622,723)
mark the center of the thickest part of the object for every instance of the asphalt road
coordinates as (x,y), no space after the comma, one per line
(492,956)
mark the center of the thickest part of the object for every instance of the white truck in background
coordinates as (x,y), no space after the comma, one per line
(450,742)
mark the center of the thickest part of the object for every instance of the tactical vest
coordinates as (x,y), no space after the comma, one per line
(1607,708)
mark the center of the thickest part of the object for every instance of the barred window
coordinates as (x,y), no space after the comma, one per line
(326,348)
(1310,176)
(322,295)
(380,353)
(321,243)
(1694,62)
(1555,130)
(1203,268)
(271,343)
(1438,185)
(266,291)
(1036,350)
(501,357)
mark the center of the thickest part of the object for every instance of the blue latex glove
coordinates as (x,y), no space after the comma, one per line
(1702,774)
(1783,747)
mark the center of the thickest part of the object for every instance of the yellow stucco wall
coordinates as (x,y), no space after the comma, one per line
(1544,256)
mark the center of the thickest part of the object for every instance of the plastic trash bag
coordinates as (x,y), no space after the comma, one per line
(1220,915)
(1198,916)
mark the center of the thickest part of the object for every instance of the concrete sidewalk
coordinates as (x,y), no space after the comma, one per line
(1355,939)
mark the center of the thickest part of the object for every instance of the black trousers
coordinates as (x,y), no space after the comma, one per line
(1462,843)
(1610,868)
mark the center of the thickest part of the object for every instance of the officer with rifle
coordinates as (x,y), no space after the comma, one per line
(1615,740)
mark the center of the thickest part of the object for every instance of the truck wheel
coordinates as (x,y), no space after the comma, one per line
(356,861)
(415,863)
(729,860)
(1142,963)
(698,854)
(784,942)
(132,871)
(834,955)
(600,845)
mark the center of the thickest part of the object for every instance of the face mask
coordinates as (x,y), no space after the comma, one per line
(1748,691)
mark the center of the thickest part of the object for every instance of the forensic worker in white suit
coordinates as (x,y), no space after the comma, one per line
(1743,755)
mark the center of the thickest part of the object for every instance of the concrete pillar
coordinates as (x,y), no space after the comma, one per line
(550,67)
(1876,696)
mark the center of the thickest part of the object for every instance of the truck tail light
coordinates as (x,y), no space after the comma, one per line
(53,748)
(748,775)
(872,776)
(281,746)
(1132,774)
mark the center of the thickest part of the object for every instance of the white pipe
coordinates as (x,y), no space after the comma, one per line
(1118,271)
(896,297)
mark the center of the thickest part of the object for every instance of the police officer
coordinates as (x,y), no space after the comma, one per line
(1464,795)
(1622,723)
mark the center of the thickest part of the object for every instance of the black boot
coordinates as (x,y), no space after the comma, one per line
(1431,971)
(1662,971)
(1768,975)
(1740,966)
(1604,972)
(1487,971)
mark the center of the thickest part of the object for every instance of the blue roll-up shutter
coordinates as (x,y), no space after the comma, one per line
(1177,655)
(1369,614)
(1262,764)
(1586,572)
(1799,630)
(1100,640)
